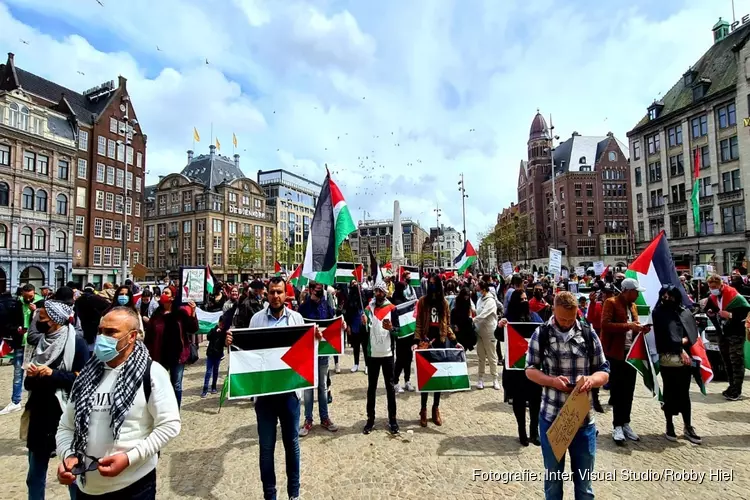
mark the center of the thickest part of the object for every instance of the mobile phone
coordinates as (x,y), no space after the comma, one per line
(571,384)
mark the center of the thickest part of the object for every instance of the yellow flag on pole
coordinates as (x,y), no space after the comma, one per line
(234,139)
(196,137)
(218,144)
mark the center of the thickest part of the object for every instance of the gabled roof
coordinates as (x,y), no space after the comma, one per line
(212,169)
(582,150)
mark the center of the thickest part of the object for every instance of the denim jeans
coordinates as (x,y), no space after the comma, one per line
(175,376)
(284,409)
(17,375)
(212,370)
(322,392)
(582,453)
(36,477)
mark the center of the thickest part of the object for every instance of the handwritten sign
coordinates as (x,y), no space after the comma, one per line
(555,261)
(192,284)
(507,269)
(568,421)
(598,267)
(580,271)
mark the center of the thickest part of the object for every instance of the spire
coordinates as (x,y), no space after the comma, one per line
(538,127)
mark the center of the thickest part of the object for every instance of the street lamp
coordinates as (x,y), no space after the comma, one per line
(290,235)
(438,212)
(462,189)
(126,127)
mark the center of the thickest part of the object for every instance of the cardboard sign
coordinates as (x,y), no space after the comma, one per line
(580,271)
(568,421)
(139,271)
(507,269)
(564,274)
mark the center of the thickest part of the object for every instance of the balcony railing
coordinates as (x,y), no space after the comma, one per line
(678,206)
(174,234)
(737,194)
(657,210)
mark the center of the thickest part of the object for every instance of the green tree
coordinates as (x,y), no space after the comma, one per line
(384,256)
(245,257)
(345,252)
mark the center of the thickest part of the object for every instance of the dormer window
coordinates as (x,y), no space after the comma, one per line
(700,88)
(652,114)
(654,111)
(689,77)
(582,160)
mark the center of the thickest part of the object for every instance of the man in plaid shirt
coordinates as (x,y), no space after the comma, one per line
(565,360)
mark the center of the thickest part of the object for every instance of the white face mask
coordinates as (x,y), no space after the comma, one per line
(715,292)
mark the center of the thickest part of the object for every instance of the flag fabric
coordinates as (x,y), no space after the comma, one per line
(604,273)
(218,144)
(330,226)
(211,282)
(441,370)
(5,348)
(407,318)
(234,140)
(517,336)
(466,258)
(375,270)
(359,273)
(196,136)
(207,320)
(694,196)
(332,343)
(345,272)
(730,299)
(296,279)
(414,275)
(644,358)
(265,361)
(277,268)
(702,370)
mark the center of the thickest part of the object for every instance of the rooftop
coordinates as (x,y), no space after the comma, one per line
(583,151)
(213,169)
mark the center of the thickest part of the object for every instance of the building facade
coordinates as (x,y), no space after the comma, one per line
(586,216)
(290,202)
(37,183)
(446,244)
(703,117)
(377,235)
(208,214)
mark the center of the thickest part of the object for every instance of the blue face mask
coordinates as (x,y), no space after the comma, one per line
(122,300)
(105,348)
(715,292)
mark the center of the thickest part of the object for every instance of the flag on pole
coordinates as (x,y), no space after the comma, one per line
(346,271)
(359,273)
(702,370)
(441,370)
(407,318)
(211,282)
(196,136)
(466,258)
(234,139)
(517,336)
(330,226)
(277,268)
(332,343)
(207,320)
(645,360)
(265,361)
(5,348)
(375,271)
(296,279)
(218,144)
(694,197)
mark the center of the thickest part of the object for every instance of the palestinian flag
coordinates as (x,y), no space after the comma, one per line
(413,278)
(441,370)
(517,337)
(207,320)
(332,330)
(296,279)
(731,300)
(277,268)
(375,270)
(347,271)
(5,348)
(330,226)
(359,273)
(702,370)
(644,358)
(212,283)
(407,318)
(466,258)
(264,361)
(694,196)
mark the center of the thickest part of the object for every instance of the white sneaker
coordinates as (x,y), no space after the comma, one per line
(337,369)
(630,433)
(11,408)
(399,389)
(410,387)
(365,370)
(496,385)
(618,435)
(355,368)
(480,384)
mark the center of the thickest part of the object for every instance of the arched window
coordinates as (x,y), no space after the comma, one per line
(41,239)
(23,119)
(27,198)
(13,114)
(62,204)
(3,236)
(582,160)
(26,238)
(62,241)
(4,194)
(41,200)
(612,156)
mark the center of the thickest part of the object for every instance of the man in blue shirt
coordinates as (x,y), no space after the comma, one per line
(317,307)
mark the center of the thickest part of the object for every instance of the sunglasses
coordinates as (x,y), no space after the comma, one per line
(81,467)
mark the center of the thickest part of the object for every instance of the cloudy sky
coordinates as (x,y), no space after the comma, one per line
(398,98)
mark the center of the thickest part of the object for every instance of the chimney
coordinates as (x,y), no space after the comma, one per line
(212,151)
(237,160)
(190,156)
(11,57)
(121,81)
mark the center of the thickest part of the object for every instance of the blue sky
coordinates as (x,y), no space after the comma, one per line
(424,90)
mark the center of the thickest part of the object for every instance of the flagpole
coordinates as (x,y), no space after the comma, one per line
(361,302)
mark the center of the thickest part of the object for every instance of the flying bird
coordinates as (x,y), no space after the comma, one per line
(82,73)
(207,60)
(157,48)
(23,41)
(100,3)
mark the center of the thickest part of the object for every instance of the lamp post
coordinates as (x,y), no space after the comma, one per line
(290,235)
(438,211)
(462,189)
(126,126)
(552,138)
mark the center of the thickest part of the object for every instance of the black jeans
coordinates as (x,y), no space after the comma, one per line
(358,340)
(732,348)
(435,400)
(404,356)
(676,394)
(621,387)
(143,489)
(529,392)
(375,366)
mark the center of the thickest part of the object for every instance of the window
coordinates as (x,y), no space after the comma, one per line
(81,173)
(80,225)
(136,233)
(734,219)
(579,209)
(641,231)
(98,224)
(61,240)
(612,156)
(589,208)
(62,204)
(63,167)
(638,179)
(117,230)
(81,197)
(258,204)
(111,149)
(137,209)
(705,157)
(639,202)
(232,227)
(118,204)
(674,135)
(678,193)
(636,150)
(699,126)
(117,256)
(107,260)
(657,198)
(731,181)
(217,242)
(653,143)
(129,180)
(97,256)
(109,204)
(27,198)
(40,239)
(676,166)
(137,184)
(4,155)
(216,225)
(100,200)
(129,205)
(26,238)
(120,152)
(704,186)
(727,115)
(589,190)
(139,159)
(654,171)
(136,257)
(110,175)
(3,236)
(217,260)
(101,173)
(232,197)
(729,149)
(4,194)
(201,223)
(707,221)
(83,140)
(201,242)
(120,178)
(113,125)
(29,161)
(108,228)
(41,200)
(101,146)
(579,227)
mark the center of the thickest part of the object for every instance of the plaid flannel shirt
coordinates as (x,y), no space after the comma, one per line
(565,356)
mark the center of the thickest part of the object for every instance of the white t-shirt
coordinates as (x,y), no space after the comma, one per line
(146,430)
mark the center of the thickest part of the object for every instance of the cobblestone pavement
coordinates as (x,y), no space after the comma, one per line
(216,455)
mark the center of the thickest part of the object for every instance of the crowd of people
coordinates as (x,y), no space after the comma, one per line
(104,372)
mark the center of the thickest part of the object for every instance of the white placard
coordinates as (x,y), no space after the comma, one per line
(555,261)
(580,271)
(599,267)
(699,272)
(507,269)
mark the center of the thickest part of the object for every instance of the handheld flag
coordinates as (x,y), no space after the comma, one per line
(5,348)
(517,336)
(407,318)
(375,271)
(207,320)
(359,273)
(212,283)
(265,361)
(466,258)
(296,279)
(345,272)
(330,226)
(332,330)
(441,370)
(196,136)
(702,370)
(277,268)
(645,360)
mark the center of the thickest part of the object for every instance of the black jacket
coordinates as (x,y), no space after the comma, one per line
(43,406)
(89,309)
(671,326)
(216,338)
(10,316)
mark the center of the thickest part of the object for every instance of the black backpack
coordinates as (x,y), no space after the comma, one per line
(544,333)
(146,381)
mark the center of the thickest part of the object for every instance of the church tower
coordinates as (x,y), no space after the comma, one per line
(540,142)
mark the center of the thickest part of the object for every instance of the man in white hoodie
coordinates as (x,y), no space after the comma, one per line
(122,411)
(485,323)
